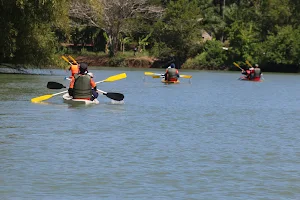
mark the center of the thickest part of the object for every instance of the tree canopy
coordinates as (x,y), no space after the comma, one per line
(265,32)
(28,30)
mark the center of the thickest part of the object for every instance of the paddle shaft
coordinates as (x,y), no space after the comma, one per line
(110,79)
(247,62)
(63,57)
(73,59)
(238,66)
(45,97)
(152,74)
(156,75)
(95,82)
(60,93)
(101,91)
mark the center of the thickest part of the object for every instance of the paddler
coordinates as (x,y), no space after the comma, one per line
(172,73)
(257,72)
(246,73)
(74,68)
(82,85)
(251,75)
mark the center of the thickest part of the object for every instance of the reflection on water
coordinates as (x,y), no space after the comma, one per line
(217,137)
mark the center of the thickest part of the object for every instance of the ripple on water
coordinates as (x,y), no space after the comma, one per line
(185,141)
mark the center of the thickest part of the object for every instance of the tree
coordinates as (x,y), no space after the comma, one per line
(143,42)
(282,47)
(117,13)
(28,34)
(179,29)
(113,16)
(123,42)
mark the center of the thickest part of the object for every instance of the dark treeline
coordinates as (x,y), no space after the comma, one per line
(196,34)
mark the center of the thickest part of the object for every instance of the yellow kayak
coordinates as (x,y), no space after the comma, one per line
(167,82)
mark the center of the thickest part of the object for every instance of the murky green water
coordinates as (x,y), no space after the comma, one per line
(217,138)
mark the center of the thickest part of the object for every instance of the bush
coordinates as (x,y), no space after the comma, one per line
(161,50)
(212,57)
(117,62)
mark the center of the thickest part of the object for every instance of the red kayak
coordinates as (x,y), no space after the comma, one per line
(244,78)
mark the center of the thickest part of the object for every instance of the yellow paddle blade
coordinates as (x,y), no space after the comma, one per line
(149,73)
(185,76)
(156,76)
(41,98)
(115,77)
(247,62)
(66,59)
(237,65)
(45,97)
(73,59)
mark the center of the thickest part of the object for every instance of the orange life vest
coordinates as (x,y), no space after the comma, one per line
(74,69)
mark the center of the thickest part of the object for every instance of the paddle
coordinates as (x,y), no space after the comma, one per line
(181,76)
(238,66)
(152,74)
(247,62)
(45,97)
(111,95)
(109,79)
(57,85)
(155,75)
(114,78)
(158,76)
(73,59)
(185,76)
(66,59)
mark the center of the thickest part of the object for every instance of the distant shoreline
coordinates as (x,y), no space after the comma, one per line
(143,62)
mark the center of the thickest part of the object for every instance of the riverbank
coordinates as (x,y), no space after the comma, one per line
(92,60)
(131,62)
(152,62)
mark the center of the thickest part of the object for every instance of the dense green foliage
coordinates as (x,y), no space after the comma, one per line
(265,32)
(27,28)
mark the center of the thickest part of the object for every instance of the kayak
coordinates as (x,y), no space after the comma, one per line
(167,82)
(243,78)
(68,99)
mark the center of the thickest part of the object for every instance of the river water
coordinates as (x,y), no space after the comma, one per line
(214,138)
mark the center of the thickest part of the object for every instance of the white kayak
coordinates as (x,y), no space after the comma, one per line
(68,99)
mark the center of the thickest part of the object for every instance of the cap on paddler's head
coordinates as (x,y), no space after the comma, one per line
(83,67)
(172,65)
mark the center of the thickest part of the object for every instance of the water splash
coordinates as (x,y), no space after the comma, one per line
(117,102)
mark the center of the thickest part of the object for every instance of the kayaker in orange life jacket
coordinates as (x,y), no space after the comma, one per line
(74,68)
(82,85)
(172,73)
